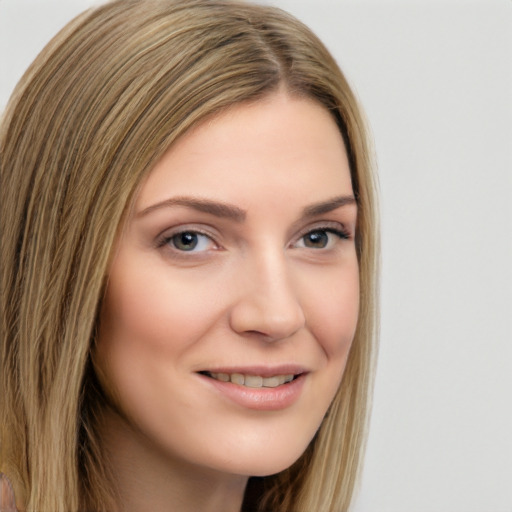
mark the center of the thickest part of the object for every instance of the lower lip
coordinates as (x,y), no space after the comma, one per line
(260,399)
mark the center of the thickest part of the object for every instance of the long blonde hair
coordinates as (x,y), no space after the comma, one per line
(89,119)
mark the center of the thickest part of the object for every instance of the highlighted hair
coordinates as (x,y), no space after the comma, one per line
(89,119)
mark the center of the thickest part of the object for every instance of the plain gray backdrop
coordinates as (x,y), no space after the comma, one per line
(435,78)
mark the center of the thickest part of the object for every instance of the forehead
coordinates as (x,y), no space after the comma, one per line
(283,145)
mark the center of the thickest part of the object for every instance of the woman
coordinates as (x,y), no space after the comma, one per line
(189,266)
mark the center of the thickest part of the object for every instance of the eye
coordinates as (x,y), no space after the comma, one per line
(190,241)
(323,238)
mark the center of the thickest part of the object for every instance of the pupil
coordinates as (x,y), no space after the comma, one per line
(317,239)
(185,241)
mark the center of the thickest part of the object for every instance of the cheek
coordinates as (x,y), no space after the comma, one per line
(137,321)
(334,310)
(152,319)
(145,310)
(147,327)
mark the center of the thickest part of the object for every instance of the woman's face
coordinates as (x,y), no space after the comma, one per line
(233,295)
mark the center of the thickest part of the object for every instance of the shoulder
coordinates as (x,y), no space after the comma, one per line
(7,503)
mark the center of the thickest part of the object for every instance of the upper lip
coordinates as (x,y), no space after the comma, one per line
(263,371)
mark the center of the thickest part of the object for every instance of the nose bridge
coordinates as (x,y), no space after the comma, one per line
(269,303)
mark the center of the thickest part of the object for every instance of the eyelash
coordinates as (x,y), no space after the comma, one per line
(167,240)
(342,234)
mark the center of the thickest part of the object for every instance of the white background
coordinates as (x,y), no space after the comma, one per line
(436,81)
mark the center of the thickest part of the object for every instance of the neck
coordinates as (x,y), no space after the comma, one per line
(146,478)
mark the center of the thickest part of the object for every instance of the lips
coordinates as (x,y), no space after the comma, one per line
(263,389)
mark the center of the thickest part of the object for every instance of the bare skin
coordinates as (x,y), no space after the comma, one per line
(143,481)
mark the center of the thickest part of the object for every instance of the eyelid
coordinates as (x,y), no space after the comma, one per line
(331,226)
(162,240)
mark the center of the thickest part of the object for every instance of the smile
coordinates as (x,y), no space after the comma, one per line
(252,381)
(261,389)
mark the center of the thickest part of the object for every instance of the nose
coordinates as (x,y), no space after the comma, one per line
(268,304)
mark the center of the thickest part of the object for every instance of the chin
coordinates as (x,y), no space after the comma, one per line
(267,461)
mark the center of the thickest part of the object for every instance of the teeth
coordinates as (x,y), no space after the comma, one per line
(238,378)
(253,381)
(273,382)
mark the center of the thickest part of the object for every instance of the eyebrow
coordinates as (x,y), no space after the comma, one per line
(228,211)
(327,206)
(216,208)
